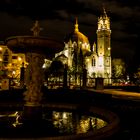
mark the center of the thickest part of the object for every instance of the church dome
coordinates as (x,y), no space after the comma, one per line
(76,36)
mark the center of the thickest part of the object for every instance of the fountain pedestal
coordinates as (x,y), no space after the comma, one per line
(36,48)
(34,78)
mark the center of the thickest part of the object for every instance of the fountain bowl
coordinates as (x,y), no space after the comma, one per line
(35,131)
(42,45)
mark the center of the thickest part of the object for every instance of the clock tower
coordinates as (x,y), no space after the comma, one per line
(103,46)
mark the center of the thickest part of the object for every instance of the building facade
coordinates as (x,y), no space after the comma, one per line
(10,63)
(78,53)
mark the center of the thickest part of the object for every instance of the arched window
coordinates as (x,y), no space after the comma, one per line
(100,61)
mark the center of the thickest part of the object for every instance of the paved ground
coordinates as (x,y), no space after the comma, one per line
(119,93)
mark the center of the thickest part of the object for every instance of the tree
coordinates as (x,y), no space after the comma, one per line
(78,60)
(118,68)
(137,77)
(134,64)
(56,68)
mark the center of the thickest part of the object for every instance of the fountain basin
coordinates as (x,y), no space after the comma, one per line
(109,124)
(42,45)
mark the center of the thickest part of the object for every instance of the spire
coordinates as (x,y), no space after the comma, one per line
(104,12)
(104,21)
(76,26)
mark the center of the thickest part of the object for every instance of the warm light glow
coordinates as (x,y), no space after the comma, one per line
(84,125)
(66,53)
(0,48)
(64,115)
(13,72)
(19,59)
(100,61)
(0,59)
(44,66)
(56,115)
(16,123)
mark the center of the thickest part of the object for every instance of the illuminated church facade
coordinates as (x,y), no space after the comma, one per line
(79,53)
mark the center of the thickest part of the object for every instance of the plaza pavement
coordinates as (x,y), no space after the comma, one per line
(119,93)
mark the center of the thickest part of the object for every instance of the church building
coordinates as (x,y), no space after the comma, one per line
(78,53)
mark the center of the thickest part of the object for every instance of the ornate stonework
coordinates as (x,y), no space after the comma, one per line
(36,28)
(34,77)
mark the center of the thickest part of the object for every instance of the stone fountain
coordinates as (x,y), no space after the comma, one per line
(36,49)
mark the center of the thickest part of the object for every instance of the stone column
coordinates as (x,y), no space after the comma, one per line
(34,77)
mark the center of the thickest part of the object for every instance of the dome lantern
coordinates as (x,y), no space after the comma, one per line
(76,26)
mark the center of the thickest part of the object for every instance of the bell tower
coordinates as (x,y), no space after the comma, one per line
(103,46)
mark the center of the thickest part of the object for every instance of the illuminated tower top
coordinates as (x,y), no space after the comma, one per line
(104,21)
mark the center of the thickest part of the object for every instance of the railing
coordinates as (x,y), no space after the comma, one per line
(55,82)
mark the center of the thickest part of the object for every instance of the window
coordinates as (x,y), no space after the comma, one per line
(107,61)
(100,61)
(14,57)
(93,62)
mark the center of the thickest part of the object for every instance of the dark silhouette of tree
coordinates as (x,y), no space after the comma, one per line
(134,65)
(81,60)
(56,68)
(118,68)
(78,60)
(75,59)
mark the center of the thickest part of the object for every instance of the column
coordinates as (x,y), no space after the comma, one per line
(34,78)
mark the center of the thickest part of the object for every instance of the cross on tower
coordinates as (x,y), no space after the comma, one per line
(36,28)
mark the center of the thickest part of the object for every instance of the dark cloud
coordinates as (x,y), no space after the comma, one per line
(57,17)
(40,9)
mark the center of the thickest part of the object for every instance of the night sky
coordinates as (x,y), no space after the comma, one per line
(57,18)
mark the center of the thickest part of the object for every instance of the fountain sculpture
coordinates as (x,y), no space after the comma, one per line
(36,48)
